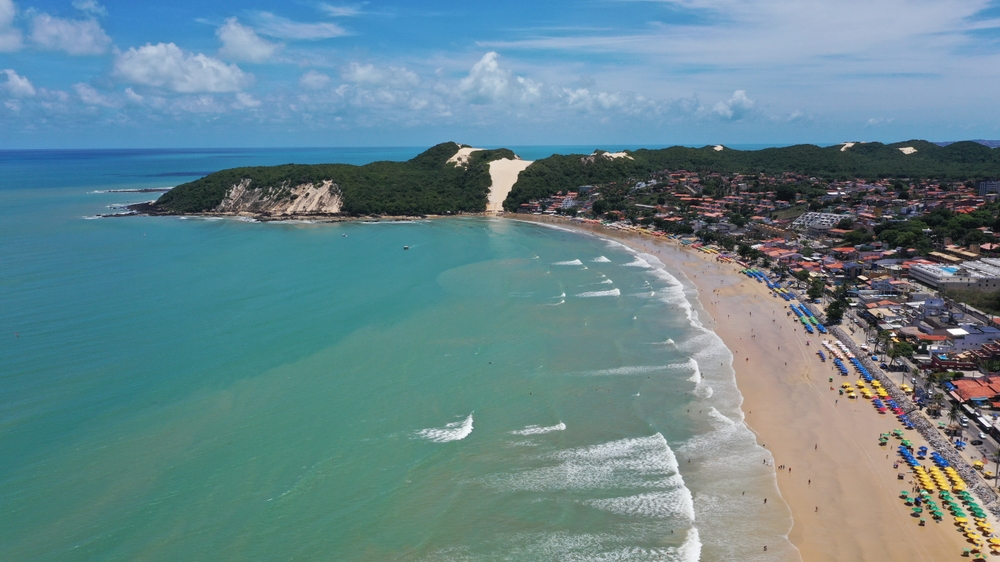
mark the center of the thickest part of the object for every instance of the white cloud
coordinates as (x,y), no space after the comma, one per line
(392,76)
(246,101)
(10,37)
(91,7)
(18,86)
(76,37)
(340,11)
(283,28)
(241,43)
(877,121)
(165,65)
(736,108)
(133,97)
(314,80)
(90,96)
(487,82)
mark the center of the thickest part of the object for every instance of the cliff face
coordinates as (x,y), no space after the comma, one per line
(302,199)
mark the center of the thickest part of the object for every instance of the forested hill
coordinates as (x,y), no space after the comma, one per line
(957,161)
(426,184)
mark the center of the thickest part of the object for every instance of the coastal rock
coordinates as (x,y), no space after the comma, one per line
(302,199)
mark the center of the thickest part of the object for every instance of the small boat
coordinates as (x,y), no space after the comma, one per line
(406,247)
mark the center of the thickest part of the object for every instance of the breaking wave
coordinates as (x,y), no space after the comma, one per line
(538,430)
(591,294)
(454,431)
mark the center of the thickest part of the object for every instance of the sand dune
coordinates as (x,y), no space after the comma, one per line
(504,174)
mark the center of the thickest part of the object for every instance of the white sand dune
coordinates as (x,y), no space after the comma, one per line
(613,155)
(907,150)
(504,174)
(461,158)
(718,148)
(846,146)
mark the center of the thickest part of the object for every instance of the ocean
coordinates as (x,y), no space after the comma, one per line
(215,389)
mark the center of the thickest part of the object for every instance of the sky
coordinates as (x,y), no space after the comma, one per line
(119,74)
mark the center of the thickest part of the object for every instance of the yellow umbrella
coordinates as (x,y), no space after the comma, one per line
(961,520)
(995,540)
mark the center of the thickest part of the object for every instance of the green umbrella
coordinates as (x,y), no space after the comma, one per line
(917,510)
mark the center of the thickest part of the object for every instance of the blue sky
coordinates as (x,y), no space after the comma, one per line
(91,73)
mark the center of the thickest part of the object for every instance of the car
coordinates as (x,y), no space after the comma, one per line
(976,442)
(982,435)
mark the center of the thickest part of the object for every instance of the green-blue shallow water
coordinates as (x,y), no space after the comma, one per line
(195,389)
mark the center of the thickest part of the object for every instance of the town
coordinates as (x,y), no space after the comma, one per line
(911,268)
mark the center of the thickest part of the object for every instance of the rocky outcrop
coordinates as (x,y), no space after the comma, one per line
(283,200)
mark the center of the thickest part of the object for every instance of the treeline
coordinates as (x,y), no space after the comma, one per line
(960,161)
(426,184)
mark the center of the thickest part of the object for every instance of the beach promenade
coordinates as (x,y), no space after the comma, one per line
(840,484)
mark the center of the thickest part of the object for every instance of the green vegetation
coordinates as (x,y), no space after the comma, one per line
(426,184)
(960,161)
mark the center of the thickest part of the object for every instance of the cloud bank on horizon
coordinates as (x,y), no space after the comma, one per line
(113,73)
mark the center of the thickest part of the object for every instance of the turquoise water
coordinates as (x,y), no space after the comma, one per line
(197,389)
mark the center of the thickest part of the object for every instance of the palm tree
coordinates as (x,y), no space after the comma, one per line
(996,459)
(954,414)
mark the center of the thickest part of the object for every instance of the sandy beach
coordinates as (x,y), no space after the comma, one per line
(840,484)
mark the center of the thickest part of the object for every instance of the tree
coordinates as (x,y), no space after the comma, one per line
(846,223)
(815,289)
(901,349)
(996,459)
(785,193)
(954,414)
(835,312)
(882,338)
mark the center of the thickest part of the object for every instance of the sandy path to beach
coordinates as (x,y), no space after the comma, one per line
(842,487)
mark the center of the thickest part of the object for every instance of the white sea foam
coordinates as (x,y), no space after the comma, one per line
(638,262)
(538,430)
(626,464)
(571,262)
(454,431)
(607,282)
(601,259)
(667,504)
(701,388)
(589,547)
(635,370)
(591,294)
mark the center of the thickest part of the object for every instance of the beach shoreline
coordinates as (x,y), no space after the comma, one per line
(842,487)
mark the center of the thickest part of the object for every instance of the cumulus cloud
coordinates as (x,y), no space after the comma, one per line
(737,107)
(241,43)
(76,37)
(246,101)
(133,97)
(18,86)
(487,82)
(369,74)
(314,80)
(10,37)
(877,121)
(283,28)
(165,65)
(90,6)
(91,96)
